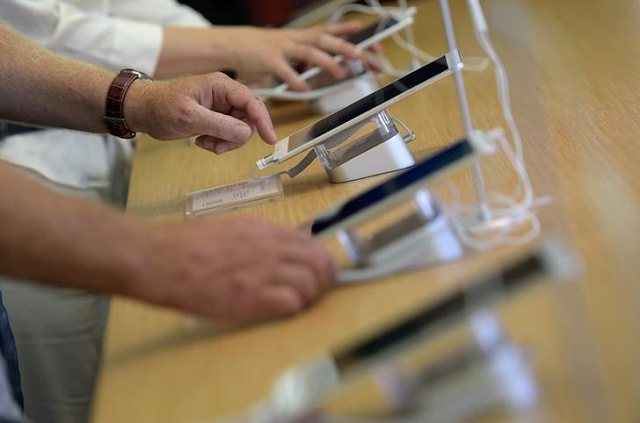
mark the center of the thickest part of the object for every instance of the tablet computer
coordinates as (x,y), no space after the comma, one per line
(401,186)
(364,108)
(550,259)
(372,34)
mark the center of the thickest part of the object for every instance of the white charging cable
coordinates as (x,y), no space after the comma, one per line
(286,94)
(418,56)
(508,212)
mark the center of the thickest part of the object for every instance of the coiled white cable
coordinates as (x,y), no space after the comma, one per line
(475,64)
(509,212)
(285,94)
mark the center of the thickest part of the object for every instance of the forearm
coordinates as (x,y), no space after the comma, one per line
(194,51)
(66,241)
(41,88)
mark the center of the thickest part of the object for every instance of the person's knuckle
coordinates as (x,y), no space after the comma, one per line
(312,280)
(344,45)
(327,39)
(184,116)
(220,76)
(218,124)
(317,36)
(293,304)
(274,60)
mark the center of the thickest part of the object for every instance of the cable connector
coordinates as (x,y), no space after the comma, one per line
(265,162)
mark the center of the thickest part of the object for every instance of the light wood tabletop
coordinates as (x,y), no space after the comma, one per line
(574,69)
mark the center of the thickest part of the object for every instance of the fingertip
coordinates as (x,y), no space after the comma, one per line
(339,72)
(356,53)
(376,48)
(261,120)
(291,302)
(298,84)
(268,135)
(352,26)
(325,265)
(224,147)
(331,271)
(331,265)
(206,143)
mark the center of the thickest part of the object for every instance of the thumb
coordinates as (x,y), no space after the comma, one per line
(219,125)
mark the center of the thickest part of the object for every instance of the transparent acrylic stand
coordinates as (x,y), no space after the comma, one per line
(380,151)
(425,237)
(490,373)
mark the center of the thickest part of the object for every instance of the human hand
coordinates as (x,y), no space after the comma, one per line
(234,269)
(222,112)
(257,51)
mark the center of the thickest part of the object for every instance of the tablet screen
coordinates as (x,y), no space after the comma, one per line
(373,100)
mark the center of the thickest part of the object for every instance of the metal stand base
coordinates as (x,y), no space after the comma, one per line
(380,151)
(424,238)
(490,374)
(434,239)
(389,156)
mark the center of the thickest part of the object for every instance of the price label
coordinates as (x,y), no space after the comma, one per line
(233,196)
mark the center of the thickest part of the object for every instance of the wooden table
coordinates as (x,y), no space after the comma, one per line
(574,67)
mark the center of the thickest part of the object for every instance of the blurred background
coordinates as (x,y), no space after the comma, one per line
(259,12)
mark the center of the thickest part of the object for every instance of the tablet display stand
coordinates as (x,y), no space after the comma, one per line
(489,373)
(380,151)
(425,236)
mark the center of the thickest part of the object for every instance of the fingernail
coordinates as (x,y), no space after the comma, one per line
(207,144)
(221,149)
(243,132)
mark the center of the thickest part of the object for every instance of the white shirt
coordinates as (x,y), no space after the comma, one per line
(114,34)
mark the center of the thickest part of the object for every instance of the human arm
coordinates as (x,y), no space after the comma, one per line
(41,88)
(232,269)
(167,39)
(257,51)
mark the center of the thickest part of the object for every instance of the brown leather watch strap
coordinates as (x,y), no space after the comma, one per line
(114,112)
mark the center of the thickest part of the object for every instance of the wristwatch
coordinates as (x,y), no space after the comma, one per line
(114,111)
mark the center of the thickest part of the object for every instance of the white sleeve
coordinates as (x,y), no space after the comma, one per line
(164,12)
(89,35)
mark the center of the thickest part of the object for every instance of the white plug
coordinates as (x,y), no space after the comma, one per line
(483,142)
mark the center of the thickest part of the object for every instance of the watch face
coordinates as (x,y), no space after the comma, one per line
(139,74)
